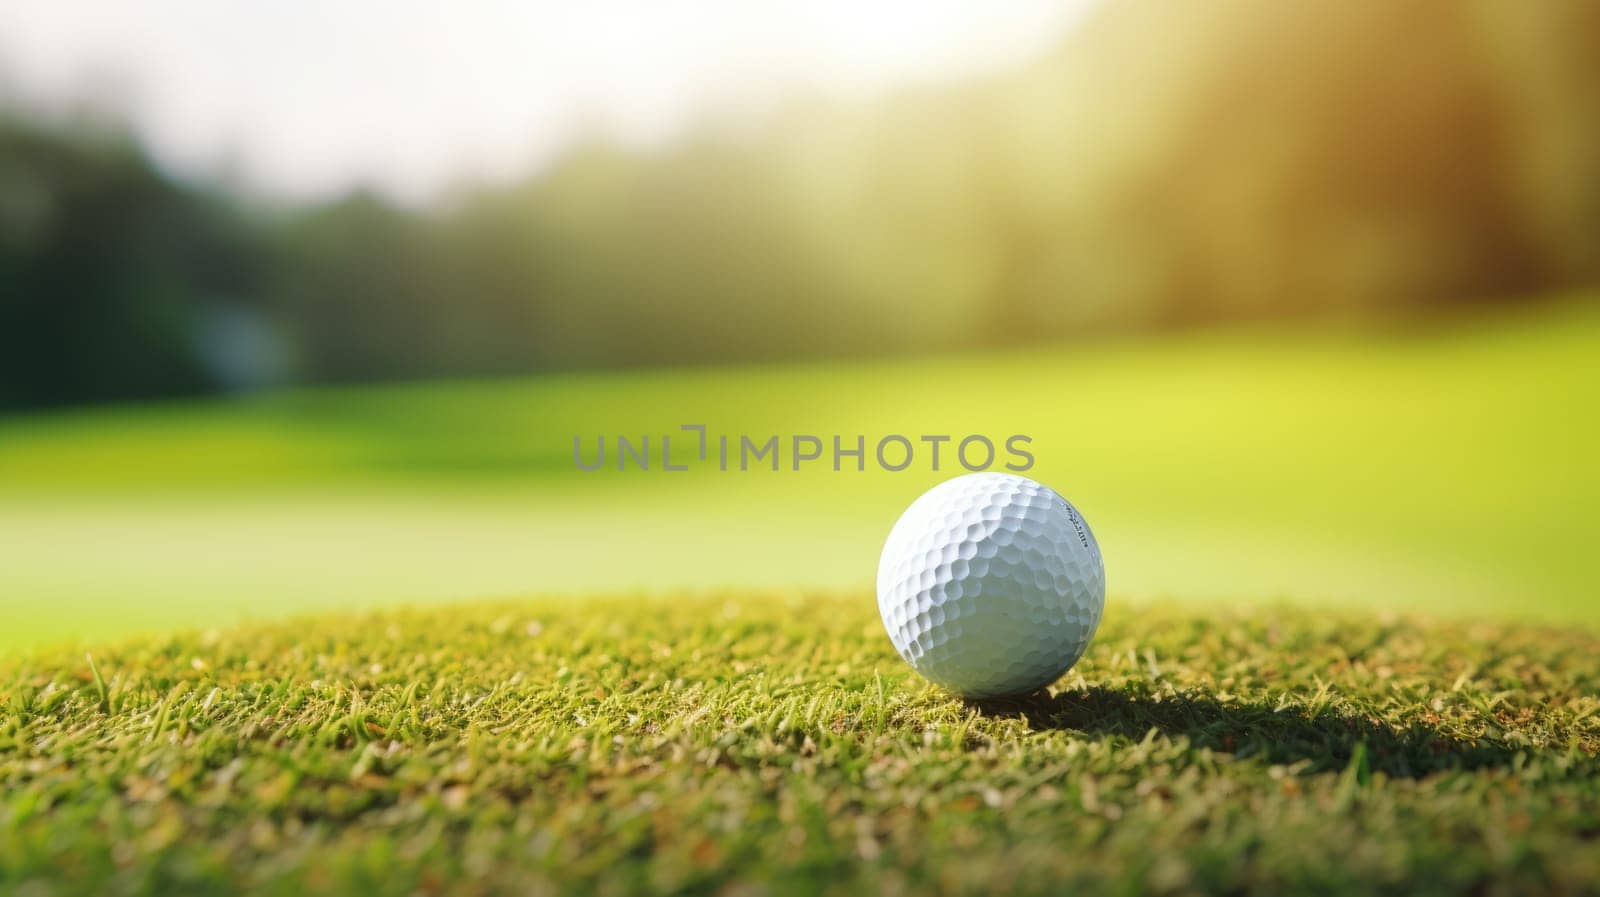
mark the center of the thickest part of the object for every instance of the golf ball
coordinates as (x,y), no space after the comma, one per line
(991,585)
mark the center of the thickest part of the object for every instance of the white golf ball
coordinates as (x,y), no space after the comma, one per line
(991,585)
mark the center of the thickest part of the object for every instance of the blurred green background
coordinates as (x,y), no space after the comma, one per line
(1296,303)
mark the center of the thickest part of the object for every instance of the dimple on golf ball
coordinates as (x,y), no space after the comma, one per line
(991,585)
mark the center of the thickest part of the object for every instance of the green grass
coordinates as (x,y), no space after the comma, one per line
(1422,718)
(1446,471)
(744,743)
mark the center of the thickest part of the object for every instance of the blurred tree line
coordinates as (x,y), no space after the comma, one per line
(1170,164)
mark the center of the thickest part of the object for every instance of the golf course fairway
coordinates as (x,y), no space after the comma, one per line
(1443,471)
(771,742)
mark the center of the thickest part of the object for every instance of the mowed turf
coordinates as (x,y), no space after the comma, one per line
(749,743)
(1450,469)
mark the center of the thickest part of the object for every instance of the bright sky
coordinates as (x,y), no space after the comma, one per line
(312,96)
